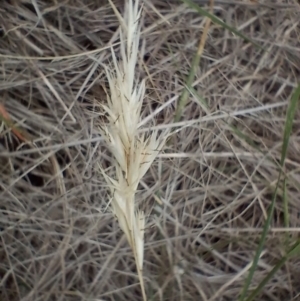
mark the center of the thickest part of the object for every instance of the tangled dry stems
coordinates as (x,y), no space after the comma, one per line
(206,196)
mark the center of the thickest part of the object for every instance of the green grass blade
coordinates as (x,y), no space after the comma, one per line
(216,20)
(294,250)
(185,93)
(285,205)
(286,136)
(203,102)
(260,245)
(289,122)
(244,137)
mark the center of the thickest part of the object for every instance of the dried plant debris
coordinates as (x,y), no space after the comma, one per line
(205,196)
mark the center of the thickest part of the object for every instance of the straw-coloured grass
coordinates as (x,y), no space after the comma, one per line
(205,197)
(133,153)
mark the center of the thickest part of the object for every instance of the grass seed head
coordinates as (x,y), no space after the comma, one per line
(133,152)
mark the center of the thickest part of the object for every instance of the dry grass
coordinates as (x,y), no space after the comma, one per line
(206,196)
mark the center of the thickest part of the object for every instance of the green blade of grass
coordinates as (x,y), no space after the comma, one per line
(216,20)
(294,250)
(202,101)
(244,137)
(289,122)
(261,244)
(196,59)
(195,63)
(186,91)
(286,136)
(285,205)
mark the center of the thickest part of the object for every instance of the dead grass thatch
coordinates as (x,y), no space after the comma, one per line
(206,196)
